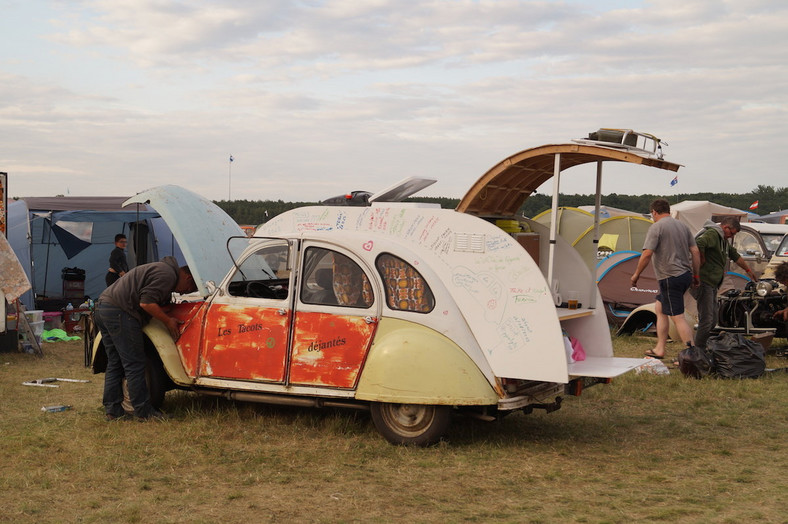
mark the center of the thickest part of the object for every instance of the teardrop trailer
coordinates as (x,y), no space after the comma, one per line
(405,309)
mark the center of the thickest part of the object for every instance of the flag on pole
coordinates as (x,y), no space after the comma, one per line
(754,205)
(674,181)
(231,158)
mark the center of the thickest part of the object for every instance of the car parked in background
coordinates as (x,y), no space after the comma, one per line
(757,242)
(780,255)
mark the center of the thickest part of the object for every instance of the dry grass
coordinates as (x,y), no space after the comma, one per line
(645,448)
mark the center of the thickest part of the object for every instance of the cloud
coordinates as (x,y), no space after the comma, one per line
(318,97)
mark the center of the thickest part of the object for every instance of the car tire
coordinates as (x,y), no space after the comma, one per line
(411,424)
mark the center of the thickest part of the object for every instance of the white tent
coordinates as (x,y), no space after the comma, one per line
(695,213)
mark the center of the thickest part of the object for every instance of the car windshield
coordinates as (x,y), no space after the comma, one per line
(772,240)
(746,243)
(782,250)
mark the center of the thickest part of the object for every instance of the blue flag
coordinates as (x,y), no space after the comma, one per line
(674,181)
(231,158)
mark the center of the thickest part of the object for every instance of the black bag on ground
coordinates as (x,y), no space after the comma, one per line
(735,356)
(695,362)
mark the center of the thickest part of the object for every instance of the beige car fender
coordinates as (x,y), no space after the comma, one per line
(160,336)
(165,347)
(411,364)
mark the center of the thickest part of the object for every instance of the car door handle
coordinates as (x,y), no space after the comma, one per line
(370,320)
(282,311)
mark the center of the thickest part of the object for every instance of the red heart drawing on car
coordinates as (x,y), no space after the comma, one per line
(368,245)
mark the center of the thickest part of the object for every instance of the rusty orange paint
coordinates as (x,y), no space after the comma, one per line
(247,343)
(188,344)
(329,350)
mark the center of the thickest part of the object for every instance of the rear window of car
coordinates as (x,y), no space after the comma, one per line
(406,289)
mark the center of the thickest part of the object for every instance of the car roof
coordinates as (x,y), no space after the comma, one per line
(763,227)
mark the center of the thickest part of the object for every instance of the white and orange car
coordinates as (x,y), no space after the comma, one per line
(405,309)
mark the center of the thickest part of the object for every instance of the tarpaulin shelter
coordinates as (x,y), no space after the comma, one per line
(19,239)
(13,281)
(695,213)
(79,232)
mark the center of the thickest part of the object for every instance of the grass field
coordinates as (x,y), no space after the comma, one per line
(644,448)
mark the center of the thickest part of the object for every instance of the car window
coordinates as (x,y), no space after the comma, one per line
(746,243)
(406,289)
(331,278)
(263,274)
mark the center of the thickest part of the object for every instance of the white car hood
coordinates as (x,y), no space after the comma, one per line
(200,227)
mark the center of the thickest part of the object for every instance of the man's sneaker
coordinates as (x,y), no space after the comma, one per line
(155,414)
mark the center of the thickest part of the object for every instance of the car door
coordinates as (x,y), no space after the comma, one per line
(336,317)
(247,326)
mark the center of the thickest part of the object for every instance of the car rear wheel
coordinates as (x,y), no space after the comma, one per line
(411,424)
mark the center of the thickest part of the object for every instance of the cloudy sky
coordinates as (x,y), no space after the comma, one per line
(314,98)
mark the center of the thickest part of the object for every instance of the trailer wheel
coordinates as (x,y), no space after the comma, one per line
(411,424)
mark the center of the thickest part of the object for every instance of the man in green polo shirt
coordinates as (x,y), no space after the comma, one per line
(715,251)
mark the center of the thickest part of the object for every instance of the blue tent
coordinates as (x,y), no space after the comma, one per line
(56,233)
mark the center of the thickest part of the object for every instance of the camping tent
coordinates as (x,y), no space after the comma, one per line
(607,212)
(572,222)
(79,232)
(617,233)
(613,275)
(695,213)
(778,217)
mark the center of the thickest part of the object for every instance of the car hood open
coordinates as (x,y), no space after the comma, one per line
(200,227)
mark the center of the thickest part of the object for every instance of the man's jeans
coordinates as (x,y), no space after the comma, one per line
(706,296)
(125,346)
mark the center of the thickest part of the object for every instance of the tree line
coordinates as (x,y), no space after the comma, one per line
(769,198)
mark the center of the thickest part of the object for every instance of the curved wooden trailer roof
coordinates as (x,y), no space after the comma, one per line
(504,188)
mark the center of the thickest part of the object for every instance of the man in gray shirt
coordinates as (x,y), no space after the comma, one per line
(121,312)
(671,245)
